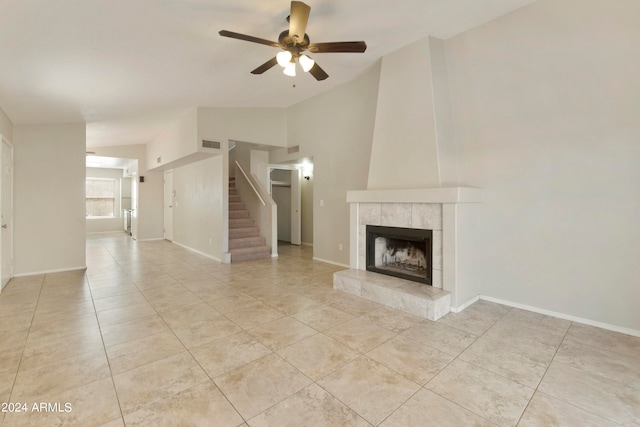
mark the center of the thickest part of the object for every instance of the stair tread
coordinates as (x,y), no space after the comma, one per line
(245,242)
(250,249)
(243,232)
(241,222)
(239,214)
(242,227)
(247,238)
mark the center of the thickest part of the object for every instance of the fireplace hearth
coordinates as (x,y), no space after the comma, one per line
(400,252)
(443,210)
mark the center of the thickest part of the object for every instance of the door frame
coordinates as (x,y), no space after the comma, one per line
(168,203)
(296,207)
(295,195)
(5,276)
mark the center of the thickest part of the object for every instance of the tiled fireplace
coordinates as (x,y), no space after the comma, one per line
(431,211)
(418,216)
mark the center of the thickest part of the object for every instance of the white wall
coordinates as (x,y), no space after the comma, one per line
(6,127)
(260,166)
(105,225)
(336,129)
(404,152)
(178,139)
(197,211)
(125,193)
(150,208)
(446,149)
(49,190)
(266,126)
(545,107)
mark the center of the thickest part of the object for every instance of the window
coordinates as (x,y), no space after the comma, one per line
(100,197)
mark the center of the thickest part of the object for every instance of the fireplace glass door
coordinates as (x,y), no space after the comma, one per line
(400,252)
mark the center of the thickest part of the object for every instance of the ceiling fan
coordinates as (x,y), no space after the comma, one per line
(294,42)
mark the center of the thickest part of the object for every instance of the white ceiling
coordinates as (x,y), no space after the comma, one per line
(126,66)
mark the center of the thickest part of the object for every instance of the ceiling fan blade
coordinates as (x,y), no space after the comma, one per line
(264,67)
(298,19)
(231,34)
(331,47)
(318,72)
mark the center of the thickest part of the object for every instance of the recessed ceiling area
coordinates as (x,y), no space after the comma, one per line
(108,162)
(127,67)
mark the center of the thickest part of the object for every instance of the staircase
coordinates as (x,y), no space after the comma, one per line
(245,242)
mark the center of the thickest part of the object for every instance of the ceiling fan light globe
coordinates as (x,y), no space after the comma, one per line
(290,69)
(306,63)
(284,58)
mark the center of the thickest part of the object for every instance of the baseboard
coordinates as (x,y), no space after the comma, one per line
(94,233)
(331,262)
(465,305)
(306,244)
(60,270)
(155,239)
(602,325)
(197,251)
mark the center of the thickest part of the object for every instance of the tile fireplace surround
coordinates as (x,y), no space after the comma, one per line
(430,208)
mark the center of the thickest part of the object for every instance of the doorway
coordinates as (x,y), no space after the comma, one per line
(285,191)
(6,213)
(292,190)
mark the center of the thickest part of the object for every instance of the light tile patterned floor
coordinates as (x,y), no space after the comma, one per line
(152,334)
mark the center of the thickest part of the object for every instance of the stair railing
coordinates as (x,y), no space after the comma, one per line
(261,206)
(250,181)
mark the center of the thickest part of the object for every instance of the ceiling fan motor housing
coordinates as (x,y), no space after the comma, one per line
(293,44)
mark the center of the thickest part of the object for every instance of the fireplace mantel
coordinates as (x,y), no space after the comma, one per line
(445,210)
(417,195)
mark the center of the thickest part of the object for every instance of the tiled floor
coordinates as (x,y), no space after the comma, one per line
(153,334)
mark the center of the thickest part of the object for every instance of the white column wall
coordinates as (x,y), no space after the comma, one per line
(49,188)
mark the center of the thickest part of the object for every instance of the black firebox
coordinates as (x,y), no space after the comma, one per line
(400,252)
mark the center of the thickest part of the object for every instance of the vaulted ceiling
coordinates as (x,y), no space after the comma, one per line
(125,67)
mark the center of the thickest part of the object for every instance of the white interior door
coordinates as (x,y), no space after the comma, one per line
(168,205)
(296,214)
(6,213)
